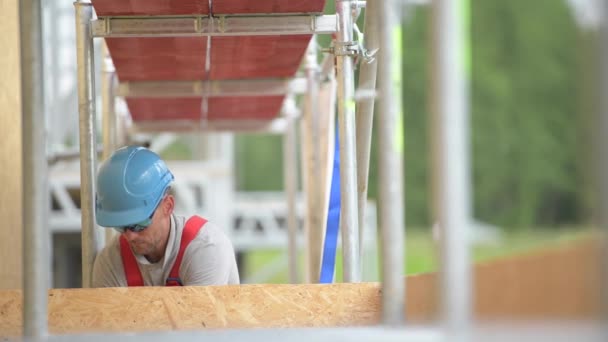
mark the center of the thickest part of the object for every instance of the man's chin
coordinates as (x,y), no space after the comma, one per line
(138,249)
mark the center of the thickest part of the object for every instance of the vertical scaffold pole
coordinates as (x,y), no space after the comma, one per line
(602,157)
(108,118)
(312,167)
(349,226)
(390,165)
(36,235)
(291,175)
(365,113)
(91,239)
(450,125)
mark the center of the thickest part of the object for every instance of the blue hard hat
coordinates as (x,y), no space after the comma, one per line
(130,185)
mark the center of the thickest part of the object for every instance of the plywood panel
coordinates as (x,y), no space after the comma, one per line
(150,7)
(10,147)
(151,309)
(559,283)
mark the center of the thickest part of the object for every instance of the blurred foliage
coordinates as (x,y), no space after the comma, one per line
(178,150)
(529,114)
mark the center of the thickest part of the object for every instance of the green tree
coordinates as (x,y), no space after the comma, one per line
(524,112)
(527,117)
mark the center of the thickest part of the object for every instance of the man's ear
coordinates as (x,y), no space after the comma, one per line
(169,205)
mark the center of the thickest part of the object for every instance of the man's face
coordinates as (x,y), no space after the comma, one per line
(151,242)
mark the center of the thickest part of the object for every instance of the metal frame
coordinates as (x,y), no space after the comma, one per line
(365,113)
(290,175)
(276,125)
(108,118)
(35,194)
(349,226)
(217,25)
(390,169)
(92,240)
(554,332)
(311,166)
(451,163)
(602,157)
(223,88)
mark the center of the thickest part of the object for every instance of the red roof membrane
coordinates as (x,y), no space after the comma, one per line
(150,7)
(184,58)
(268,6)
(159,59)
(219,108)
(185,7)
(256,56)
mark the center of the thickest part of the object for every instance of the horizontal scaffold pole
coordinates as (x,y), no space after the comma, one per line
(193,26)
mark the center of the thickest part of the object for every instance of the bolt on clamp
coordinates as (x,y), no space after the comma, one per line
(344,49)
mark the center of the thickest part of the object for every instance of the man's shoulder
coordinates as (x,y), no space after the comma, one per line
(111,249)
(209,233)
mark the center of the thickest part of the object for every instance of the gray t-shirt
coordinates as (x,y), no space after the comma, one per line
(208,260)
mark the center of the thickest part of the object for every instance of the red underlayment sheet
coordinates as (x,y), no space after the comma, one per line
(184,58)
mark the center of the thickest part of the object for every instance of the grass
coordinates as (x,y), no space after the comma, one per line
(420,251)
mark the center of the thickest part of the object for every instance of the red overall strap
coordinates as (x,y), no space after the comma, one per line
(191,229)
(129,263)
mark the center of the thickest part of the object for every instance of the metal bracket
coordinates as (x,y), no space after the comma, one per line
(345,49)
(367,55)
(353,48)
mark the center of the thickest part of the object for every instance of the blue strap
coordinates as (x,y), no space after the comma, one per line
(333,220)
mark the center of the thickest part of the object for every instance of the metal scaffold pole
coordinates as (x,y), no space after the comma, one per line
(92,241)
(450,126)
(602,157)
(365,113)
(312,166)
(291,184)
(109,119)
(349,226)
(36,235)
(390,166)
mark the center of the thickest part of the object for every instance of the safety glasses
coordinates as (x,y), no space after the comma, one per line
(138,227)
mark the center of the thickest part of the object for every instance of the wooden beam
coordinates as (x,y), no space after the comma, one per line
(557,283)
(10,149)
(149,308)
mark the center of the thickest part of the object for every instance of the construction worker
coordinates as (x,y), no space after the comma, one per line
(155,247)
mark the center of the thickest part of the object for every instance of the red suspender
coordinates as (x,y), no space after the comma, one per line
(192,227)
(129,263)
(132,273)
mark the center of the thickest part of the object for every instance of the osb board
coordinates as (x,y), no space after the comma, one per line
(10,147)
(560,283)
(218,108)
(149,309)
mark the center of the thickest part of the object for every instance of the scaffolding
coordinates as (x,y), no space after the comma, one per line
(450,132)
